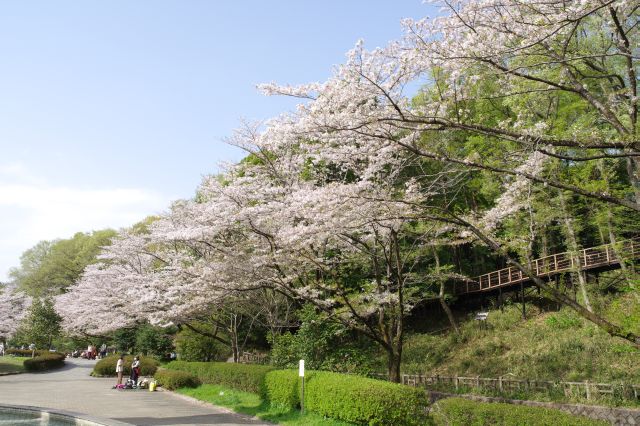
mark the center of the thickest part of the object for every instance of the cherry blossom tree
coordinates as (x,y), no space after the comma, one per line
(501,73)
(14,305)
(499,70)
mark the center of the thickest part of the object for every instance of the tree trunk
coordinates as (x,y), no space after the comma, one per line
(633,168)
(443,302)
(393,365)
(612,236)
(573,247)
(233,334)
(447,309)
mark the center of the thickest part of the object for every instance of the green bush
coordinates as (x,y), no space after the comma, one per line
(282,388)
(458,411)
(246,377)
(324,345)
(364,401)
(45,361)
(107,366)
(24,352)
(173,379)
(353,399)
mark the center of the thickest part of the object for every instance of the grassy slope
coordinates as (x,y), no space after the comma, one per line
(252,404)
(11,364)
(547,346)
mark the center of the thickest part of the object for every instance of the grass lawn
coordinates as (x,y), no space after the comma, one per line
(10,364)
(252,404)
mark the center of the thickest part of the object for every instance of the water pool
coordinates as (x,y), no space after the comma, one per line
(33,416)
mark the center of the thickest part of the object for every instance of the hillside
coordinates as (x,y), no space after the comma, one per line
(548,345)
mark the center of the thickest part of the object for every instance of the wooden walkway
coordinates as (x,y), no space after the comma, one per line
(601,257)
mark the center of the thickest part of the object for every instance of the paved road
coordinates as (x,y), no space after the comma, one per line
(72,389)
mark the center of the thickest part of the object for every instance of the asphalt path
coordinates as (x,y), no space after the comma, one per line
(71,388)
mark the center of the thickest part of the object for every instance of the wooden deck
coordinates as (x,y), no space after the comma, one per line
(601,257)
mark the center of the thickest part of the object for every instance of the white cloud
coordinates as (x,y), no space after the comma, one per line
(31,211)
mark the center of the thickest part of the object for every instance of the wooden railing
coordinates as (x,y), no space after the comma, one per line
(588,390)
(591,258)
(253,358)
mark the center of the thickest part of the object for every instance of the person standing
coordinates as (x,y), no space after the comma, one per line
(120,368)
(1,349)
(135,370)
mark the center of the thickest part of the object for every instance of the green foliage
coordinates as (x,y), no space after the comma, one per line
(245,377)
(350,398)
(364,401)
(145,339)
(323,344)
(173,379)
(152,340)
(192,346)
(457,411)
(45,361)
(52,266)
(24,352)
(282,388)
(564,320)
(253,405)
(69,343)
(125,339)
(565,348)
(107,366)
(42,323)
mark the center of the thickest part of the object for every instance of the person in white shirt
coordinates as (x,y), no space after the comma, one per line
(120,368)
(1,349)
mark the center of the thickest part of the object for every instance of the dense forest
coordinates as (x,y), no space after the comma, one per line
(341,234)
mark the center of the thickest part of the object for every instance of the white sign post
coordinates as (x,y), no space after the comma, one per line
(301,374)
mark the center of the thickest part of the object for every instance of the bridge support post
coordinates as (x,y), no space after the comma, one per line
(558,279)
(524,309)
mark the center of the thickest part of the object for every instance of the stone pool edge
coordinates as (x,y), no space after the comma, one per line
(81,419)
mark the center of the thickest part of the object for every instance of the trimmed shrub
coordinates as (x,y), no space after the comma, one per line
(282,388)
(174,379)
(353,399)
(24,352)
(46,361)
(246,377)
(365,401)
(107,366)
(458,411)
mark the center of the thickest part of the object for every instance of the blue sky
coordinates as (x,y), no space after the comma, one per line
(109,110)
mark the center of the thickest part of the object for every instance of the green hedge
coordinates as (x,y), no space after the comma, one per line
(24,352)
(46,361)
(246,377)
(365,401)
(458,411)
(107,366)
(353,399)
(173,379)
(282,388)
